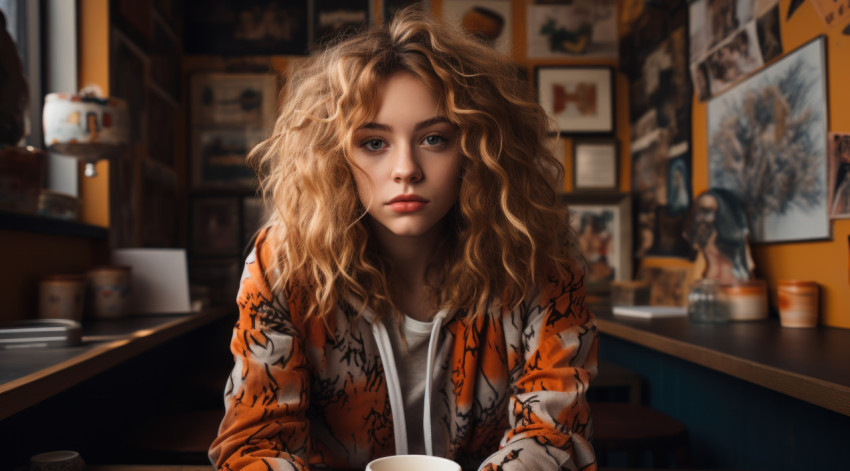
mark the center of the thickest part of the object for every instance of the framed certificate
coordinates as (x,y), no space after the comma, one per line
(595,165)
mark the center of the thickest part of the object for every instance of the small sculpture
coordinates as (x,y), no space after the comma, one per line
(717,228)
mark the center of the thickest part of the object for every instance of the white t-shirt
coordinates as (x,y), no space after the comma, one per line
(411,365)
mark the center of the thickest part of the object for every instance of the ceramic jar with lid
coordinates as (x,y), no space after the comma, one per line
(61,297)
(746,299)
(798,303)
(110,288)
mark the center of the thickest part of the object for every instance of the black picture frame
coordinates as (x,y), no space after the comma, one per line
(580,98)
(596,164)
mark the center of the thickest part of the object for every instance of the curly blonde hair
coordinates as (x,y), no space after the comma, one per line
(507,229)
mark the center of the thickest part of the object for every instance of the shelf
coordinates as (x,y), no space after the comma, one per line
(28,376)
(45,225)
(808,364)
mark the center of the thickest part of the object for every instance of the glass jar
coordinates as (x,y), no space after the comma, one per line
(707,302)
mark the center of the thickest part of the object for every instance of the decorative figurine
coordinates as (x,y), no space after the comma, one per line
(717,228)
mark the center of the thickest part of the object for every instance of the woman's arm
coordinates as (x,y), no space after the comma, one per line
(266,397)
(549,415)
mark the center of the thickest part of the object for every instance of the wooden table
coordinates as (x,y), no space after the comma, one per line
(808,364)
(28,376)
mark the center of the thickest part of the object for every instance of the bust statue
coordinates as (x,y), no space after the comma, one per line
(717,228)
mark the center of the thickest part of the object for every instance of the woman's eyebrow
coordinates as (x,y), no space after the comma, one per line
(420,125)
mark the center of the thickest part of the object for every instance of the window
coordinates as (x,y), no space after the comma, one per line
(57,54)
(22,23)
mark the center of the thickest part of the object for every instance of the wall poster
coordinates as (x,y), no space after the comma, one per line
(767,143)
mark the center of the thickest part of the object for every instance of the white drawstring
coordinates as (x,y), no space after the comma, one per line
(429,371)
(393,386)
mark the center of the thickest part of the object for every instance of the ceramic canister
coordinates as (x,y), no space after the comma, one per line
(74,123)
(110,288)
(747,300)
(798,303)
(61,297)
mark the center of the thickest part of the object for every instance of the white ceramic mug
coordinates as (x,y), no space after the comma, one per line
(412,463)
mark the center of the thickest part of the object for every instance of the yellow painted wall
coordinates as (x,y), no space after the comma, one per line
(93,20)
(825,262)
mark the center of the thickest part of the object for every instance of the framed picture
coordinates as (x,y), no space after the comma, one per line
(215,226)
(246,27)
(668,285)
(727,45)
(767,142)
(488,20)
(231,113)
(839,175)
(335,18)
(232,100)
(603,226)
(576,28)
(579,98)
(595,165)
(219,157)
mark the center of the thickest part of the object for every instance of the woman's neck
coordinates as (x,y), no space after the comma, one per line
(410,257)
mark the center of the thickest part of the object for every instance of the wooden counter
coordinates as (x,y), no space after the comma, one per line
(808,364)
(28,376)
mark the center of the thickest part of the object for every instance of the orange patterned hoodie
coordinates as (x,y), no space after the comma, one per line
(506,390)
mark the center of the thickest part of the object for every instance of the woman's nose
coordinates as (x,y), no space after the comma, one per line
(405,166)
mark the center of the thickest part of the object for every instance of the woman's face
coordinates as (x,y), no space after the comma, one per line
(407,160)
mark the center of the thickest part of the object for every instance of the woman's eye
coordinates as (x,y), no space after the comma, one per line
(434,140)
(373,144)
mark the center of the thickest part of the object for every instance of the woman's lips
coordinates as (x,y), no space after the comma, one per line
(407,203)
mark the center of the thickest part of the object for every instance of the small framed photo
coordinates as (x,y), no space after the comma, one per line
(246,27)
(333,19)
(224,99)
(603,226)
(219,157)
(215,226)
(230,114)
(839,175)
(579,98)
(595,165)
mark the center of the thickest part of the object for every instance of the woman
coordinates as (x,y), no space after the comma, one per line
(415,289)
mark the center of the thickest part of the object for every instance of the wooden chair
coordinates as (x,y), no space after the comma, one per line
(614,378)
(635,430)
(630,427)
